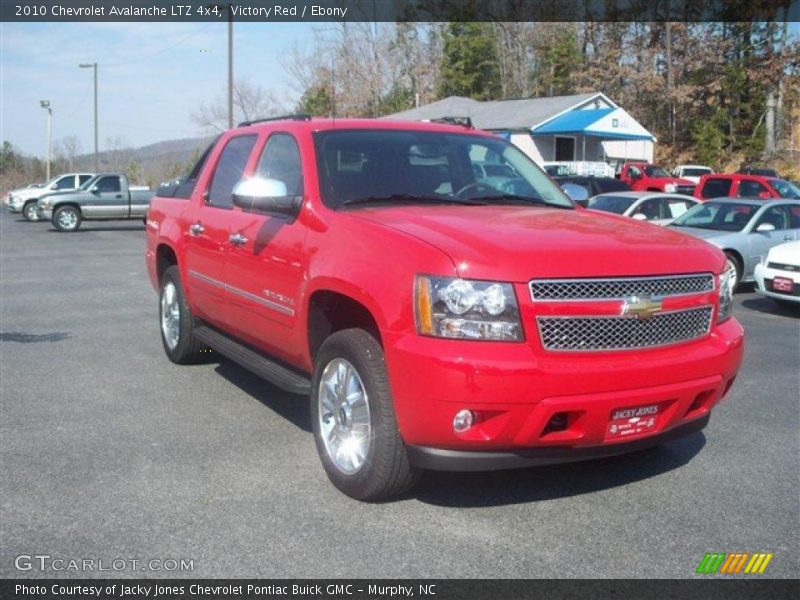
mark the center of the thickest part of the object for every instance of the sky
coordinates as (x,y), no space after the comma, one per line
(151,77)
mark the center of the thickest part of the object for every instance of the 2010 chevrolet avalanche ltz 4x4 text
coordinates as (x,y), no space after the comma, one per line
(438,319)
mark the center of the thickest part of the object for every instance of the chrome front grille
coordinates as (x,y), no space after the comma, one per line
(619,288)
(623,333)
(685,189)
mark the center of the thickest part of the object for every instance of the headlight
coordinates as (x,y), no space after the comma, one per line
(460,308)
(725,296)
(670,188)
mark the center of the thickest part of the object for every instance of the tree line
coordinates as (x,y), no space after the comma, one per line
(710,92)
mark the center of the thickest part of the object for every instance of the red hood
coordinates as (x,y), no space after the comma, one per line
(513,243)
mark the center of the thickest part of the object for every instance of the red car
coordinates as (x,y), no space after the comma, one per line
(435,319)
(643,177)
(739,185)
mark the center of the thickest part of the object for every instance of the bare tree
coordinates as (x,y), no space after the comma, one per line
(70,147)
(250,101)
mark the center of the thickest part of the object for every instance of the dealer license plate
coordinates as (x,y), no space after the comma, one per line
(783,284)
(632,421)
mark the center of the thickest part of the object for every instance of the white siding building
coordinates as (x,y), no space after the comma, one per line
(586,133)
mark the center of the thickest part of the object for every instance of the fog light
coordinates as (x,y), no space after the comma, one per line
(462,421)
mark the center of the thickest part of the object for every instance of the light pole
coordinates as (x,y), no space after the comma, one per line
(45,104)
(94,66)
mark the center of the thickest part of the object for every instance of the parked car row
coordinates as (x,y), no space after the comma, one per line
(69,199)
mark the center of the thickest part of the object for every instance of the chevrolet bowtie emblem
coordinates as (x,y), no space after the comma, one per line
(641,307)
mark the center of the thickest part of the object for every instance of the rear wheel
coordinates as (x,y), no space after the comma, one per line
(67,218)
(176,321)
(353,417)
(29,211)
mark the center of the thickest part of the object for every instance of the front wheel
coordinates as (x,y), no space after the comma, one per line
(29,212)
(353,417)
(734,268)
(67,218)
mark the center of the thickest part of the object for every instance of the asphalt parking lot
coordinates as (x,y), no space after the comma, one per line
(110,451)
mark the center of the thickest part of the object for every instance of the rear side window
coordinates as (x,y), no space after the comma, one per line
(230,169)
(108,184)
(751,189)
(716,188)
(281,160)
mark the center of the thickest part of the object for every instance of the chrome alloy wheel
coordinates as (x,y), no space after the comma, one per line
(344,421)
(734,272)
(30,212)
(67,219)
(170,315)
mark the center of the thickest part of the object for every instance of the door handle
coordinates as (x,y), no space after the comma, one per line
(237,239)
(196,229)
(118,196)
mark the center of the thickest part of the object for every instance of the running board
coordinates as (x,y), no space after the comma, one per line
(275,373)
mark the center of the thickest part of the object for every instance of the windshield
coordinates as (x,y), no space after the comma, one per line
(720,216)
(653,171)
(390,166)
(613,204)
(786,189)
(695,172)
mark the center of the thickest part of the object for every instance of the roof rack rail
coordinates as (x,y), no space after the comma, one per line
(292,117)
(462,121)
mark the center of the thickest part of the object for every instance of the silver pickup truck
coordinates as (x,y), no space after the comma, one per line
(24,200)
(105,197)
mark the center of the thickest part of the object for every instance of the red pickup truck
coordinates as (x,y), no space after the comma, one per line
(642,176)
(437,320)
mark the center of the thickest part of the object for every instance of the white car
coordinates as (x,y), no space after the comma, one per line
(658,208)
(692,172)
(24,199)
(778,275)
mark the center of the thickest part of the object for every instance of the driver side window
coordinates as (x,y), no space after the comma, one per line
(65,183)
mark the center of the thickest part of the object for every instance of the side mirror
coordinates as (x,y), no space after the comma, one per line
(94,189)
(764,227)
(764,195)
(640,217)
(576,192)
(265,195)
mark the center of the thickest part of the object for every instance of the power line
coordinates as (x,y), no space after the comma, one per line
(158,52)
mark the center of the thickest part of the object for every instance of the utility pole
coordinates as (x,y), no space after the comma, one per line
(96,157)
(230,67)
(45,104)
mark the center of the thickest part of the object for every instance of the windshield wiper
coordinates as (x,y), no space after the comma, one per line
(515,199)
(408,199)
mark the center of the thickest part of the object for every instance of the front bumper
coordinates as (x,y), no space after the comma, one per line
(515,392)
(436,459)
(44,214)
(14,207)
(764,276)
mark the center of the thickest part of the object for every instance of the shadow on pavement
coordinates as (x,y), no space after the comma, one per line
(32,338)
(291,407)
(475,490)
(765,305)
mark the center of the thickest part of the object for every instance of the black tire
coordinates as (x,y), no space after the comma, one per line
(67,218)
(386,470)
(737,264)
(29,211)
(188,349)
